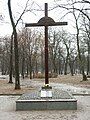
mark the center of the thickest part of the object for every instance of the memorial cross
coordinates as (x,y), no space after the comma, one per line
(46,21)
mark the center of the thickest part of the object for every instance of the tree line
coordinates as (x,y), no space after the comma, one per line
(23,52)
(63,54)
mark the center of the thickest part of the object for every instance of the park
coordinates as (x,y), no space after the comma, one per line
(46,71)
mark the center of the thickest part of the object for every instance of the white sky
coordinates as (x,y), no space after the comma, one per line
(18,6)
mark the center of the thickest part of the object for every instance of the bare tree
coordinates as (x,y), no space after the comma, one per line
(17,81)
(54,42)
(71,7)
(15,37)
(11,46)
(86,30)
(78,45)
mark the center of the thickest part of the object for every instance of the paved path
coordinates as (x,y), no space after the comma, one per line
(8,111)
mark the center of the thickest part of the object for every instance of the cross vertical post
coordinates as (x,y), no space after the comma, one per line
(46,47)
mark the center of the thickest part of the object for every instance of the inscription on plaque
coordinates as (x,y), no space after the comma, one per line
(46,93)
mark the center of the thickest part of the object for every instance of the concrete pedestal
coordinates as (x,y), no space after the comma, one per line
(47,100)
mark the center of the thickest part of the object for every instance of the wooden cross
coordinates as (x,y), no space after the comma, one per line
(46,21)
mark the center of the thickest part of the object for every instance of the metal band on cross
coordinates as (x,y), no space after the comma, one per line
(46,21)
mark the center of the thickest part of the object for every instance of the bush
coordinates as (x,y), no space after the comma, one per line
(53,75)
(42,75)
(39,75)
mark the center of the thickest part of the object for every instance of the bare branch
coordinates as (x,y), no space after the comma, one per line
(22,13)
(80,10)
(86,1)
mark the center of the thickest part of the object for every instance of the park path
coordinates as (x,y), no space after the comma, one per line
(8,112)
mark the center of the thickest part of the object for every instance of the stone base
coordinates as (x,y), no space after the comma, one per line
(61,100)
(59,104)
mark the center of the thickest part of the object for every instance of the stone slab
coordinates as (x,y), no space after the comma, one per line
(61,100)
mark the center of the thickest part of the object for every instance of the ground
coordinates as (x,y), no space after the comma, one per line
(7,111)
(71,84)
(26,84)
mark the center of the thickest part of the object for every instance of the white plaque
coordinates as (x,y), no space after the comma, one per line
(46,93)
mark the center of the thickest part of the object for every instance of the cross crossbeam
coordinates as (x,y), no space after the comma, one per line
(45,24)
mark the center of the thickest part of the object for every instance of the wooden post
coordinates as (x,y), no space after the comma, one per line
(46,47)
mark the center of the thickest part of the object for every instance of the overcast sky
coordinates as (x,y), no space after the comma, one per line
(18,6)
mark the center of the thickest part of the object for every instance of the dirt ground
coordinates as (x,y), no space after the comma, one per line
(7,88)
(26,86)
(73,80)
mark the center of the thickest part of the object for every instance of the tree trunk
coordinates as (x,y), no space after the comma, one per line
(78,48)
(30,67)
(17,81)
(88,59)
(71,66)
(23,67)
(11,62)
(65,68)
(23,63)
(42,62)
(79,55)
(59,64)
(27,69)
